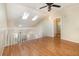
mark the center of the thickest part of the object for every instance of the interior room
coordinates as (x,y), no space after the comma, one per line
(39,29)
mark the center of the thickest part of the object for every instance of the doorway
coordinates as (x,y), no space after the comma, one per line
(57,28)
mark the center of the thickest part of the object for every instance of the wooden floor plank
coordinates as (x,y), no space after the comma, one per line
(46,46)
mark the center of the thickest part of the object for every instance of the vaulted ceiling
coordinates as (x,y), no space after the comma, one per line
(16,11)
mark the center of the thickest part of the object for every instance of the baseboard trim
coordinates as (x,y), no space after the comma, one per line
(76,43)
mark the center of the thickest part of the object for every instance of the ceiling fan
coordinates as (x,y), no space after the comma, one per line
(50,5)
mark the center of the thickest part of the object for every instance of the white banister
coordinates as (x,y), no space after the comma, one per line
(18,35)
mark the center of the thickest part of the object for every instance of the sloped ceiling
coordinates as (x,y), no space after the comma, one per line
(15,12)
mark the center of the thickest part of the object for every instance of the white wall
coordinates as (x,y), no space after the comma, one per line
(3,20)
(70,24)
(47,27)
(3,24)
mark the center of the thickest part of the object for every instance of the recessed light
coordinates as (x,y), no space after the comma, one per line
(25,16)
(35,18)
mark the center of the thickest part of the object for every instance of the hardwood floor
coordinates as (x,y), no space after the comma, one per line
(46,46)
(1,50)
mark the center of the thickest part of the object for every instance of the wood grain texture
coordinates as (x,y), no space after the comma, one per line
(46,46)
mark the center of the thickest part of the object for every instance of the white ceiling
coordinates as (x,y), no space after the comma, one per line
(36,6)
(15,11)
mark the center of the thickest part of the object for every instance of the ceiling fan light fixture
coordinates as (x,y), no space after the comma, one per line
(50,5)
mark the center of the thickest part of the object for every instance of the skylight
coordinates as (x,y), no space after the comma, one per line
(25,16)
(34,18)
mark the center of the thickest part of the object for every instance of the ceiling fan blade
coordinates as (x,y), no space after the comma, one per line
(56,6)
(43,7)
